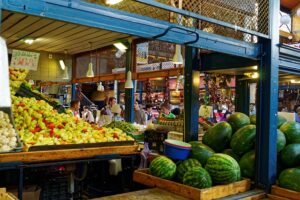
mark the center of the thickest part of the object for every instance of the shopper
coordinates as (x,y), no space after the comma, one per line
(149,113)
(87,115)
(111,102)
(139,114)
(298,114)
(75,106)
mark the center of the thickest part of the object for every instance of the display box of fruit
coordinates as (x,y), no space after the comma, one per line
(143,176)
(282,193)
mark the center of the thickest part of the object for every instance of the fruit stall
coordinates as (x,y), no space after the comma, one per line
(234,156)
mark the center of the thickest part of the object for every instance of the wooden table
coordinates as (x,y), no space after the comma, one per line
(148,194)
(68,154)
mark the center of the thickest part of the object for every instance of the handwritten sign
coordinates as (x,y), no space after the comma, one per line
(24,60)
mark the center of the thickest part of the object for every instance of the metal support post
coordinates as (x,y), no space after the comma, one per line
(129,93)
(21,179)
(266,154)
(191,93)
(73,95)
(242,102)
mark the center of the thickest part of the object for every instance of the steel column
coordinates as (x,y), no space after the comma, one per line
(191,93)
(242,102)
(73,95)
(266,153)
(129,93)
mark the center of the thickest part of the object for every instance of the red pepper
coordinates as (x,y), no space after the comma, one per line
(51,133)
(60,126)
(51,126)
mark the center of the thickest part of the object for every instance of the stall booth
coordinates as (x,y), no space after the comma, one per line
(222,37)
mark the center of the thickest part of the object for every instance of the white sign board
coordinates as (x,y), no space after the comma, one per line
(24,60)
(5,100)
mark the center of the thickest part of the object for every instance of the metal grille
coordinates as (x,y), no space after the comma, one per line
(252,15)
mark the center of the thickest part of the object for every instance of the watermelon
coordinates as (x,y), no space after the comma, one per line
(253,119)
(290,155)
(281,141)
(201,152)
(223,169)
(163,167)
(280,121)
(291,131)
(247,164)
(243,140)
(197,177)
(218,137)
(238,120)
(185,166)
(232,154)
(290,179)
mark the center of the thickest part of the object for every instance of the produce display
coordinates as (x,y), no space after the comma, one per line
(289,178)
(184,166)
(39,124)
(197,177)
(243,140)
(163,167)
(218,137)
(231,153)
(124,126)
(8,135)
(201,152)
(291,131)
(247,164)
(223,169)
(237,120)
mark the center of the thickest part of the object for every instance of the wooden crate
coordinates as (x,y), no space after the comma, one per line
(143,177)
(285,193)
(6,196)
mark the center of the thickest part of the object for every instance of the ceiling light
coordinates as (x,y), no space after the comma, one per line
(100,87)
(28,40)
(255,67)
(90,72)
(178,59)
(129,83)
(62,64)
(120,46)
(120,53)
(253,75)
(113,2)
(295,81)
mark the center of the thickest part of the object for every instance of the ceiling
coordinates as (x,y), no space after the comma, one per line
(53,36)
(290,4)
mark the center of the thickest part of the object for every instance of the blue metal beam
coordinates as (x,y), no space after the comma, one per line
(129,93)
(93,15)
(267,102)
(200,17)
(191,94)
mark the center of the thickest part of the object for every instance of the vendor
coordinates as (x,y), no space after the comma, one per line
(165,111)
(139,114)
(149,113)
(87,115)
(111,102)
(75,106)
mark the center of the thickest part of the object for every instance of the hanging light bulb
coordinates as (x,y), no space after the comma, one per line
(90,72)
(129,83)
(178,59)
(285,19)
(100,87)
(66,74)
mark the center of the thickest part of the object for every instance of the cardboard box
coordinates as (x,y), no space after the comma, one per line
(31,192)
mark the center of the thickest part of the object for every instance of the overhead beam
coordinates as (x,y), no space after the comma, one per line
(93,15)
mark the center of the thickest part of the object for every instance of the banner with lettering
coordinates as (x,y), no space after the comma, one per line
(24,60)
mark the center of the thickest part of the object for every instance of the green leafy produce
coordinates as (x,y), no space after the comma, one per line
(124,126)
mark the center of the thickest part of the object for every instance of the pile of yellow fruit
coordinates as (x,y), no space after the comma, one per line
(39,124)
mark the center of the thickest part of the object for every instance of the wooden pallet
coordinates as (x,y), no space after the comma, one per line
(279,193)
(143,177)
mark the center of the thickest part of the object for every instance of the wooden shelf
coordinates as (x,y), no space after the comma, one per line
(68,154)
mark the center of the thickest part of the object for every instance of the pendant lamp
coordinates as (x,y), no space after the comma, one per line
(100,87)
(90,72)
(66,74)
(178,59)
(129,83)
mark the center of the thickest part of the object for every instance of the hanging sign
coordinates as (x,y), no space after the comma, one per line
(142,53)
(24,60)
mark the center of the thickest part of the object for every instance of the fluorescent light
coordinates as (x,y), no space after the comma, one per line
(62,64)
(113,2)
(29,41)
(294,81)
(255,67)
(120,46)
(66,74)
(253,75)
